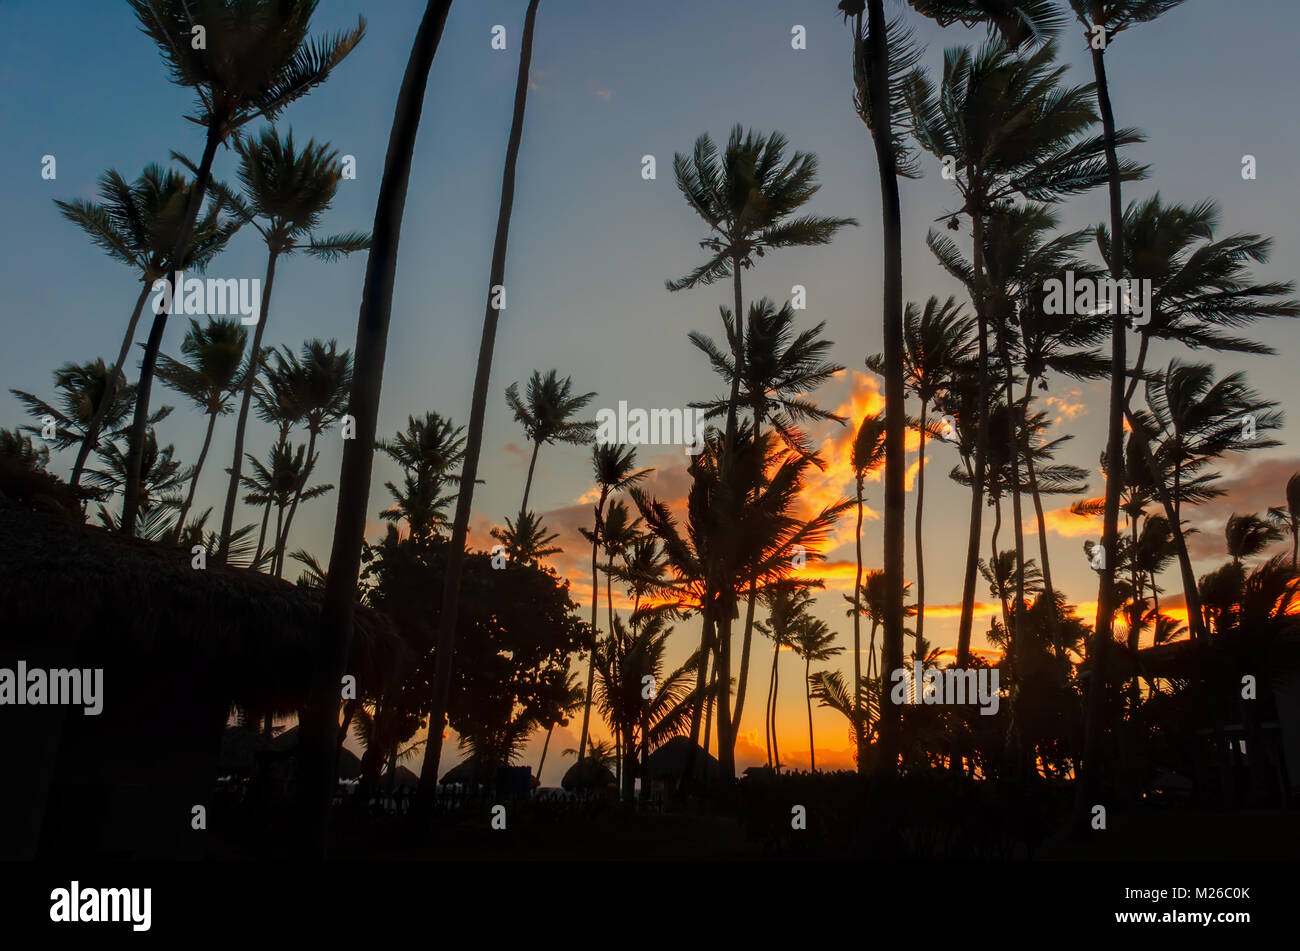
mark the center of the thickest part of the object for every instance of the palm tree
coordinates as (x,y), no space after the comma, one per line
(161,478)
(1202,289)
(279,482)
(478,408)
(261,61)
(936,346)
(86,391)
(546,413)
(780,369)
(208,379)
(1013,129)
(428,450)
(1248,535)
(319,380)
(286,192)
(613,468)
(138,223)
(748,196)
(574,698)
(1289,518)
(787,610)
(869,451)
(813,642)
(320,718)
(526,541)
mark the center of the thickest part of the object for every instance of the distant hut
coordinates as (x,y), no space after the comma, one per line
(667,765)
(179,647)
(588,777)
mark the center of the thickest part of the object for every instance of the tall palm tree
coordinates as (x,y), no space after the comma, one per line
(1248,535)
(868,454)
(936,346)
(613,467)
(574,698)
(478,408)
(780,370)
(1014,130)
(286,191)
(138,223)
(209,379)
(428,451)
(320,718)
(546,412)
(813,641)
(748,197)
(280,482)
(787,610)
(319,380)
(257,60)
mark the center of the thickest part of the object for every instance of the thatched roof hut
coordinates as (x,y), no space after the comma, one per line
(178,647)
(668,762)
(588,776)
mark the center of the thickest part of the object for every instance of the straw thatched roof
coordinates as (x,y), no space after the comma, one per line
(587,775)
(669,761)
(84,597)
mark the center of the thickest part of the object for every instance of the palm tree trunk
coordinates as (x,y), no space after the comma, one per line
(995,563)
(807,694)
(474,438)
(857,634)
(892,317)
(595,637)
(91,439)
(747,637)
(776,690)
(1018,759)
(1089,784)
(981,448)
(245,402)
(261,538)
(767,710)
(131,506)
(545,746)
(528,483)
(920,560)
(320,718)
(194,480)
(283,543)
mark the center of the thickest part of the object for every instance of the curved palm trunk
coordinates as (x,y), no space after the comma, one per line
(474,438)
(995,563)
(776,687)
(131,506)
(320,720)
(1048,589)
(91,439)
(245,403)
(528,483)
(283,542)
(194,480)
(1089,784)
(892,318)
(857,638)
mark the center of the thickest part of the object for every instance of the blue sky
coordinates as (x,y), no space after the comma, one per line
(591,241)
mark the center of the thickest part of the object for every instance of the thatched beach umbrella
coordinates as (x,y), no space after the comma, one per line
(179,645)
